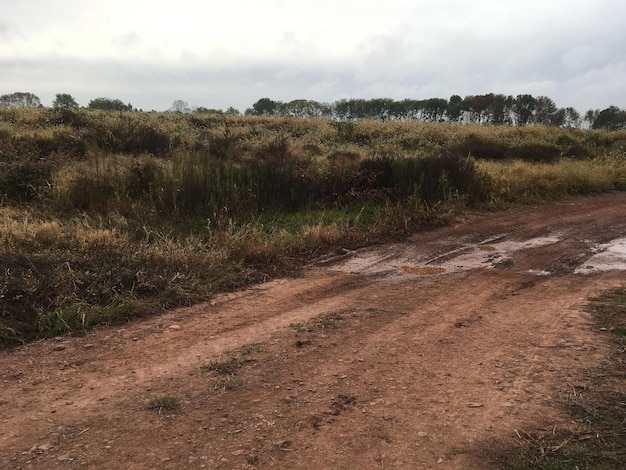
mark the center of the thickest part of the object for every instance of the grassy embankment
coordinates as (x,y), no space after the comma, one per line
(109,216)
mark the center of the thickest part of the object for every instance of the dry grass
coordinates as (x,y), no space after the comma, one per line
(110,216)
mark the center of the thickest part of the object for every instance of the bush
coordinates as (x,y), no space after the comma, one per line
(539,153)
(479,147)
(24,181)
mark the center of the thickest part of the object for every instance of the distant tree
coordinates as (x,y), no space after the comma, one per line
(265,107)
(230,111)
(298,108)
(523,108)
(180,106)
(590,117)
(546,112)
(571,118)
(455,108)
(611,118)
(499,109)
(434,109)
(203,110)
(477,108)
(64,100)
(20,100)
(108,104)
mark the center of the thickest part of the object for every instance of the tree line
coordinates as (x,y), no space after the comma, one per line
(493,109)
(62,100)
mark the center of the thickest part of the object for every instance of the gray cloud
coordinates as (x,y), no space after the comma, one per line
(571,51)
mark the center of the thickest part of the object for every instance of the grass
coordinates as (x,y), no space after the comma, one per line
(224,384)
(322,322)
(227,368)
(107,217)
(598,438)
(163,403)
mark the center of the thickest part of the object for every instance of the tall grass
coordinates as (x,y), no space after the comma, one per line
(105,217)
(515,182)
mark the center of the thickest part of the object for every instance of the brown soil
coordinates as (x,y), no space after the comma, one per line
(410,355)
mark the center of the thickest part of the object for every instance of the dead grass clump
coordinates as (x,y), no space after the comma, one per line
(163,404)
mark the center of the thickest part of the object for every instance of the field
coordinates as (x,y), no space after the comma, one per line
(421,294)
(107,217)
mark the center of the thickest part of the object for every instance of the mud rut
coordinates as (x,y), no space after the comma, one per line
(411,355)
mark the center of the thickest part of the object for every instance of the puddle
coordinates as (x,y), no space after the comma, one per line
(494,253)
(609,257)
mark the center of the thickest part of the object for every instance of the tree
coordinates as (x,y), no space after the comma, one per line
(572,118)
(180,106)
(19,100)
(611,118)
(455,108)
(64,100)
(232,111)
(524,108)
(590,117)
(108,104)
(265,107)
(434,109)
(546,112)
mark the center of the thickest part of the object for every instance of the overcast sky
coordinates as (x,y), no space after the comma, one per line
(233,52)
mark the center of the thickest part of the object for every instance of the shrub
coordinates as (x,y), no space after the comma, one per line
(24,181)
(479,147)
(534,152)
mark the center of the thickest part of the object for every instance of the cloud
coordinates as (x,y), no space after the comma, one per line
(126,40)
(231,54)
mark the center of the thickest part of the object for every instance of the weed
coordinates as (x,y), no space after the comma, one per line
(229,382)
(252,348)
(228,368)
(225,366)
(322,322)
(163,403)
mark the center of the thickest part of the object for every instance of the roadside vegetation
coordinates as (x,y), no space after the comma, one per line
(110,216)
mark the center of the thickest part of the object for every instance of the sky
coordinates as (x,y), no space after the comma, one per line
(232,53)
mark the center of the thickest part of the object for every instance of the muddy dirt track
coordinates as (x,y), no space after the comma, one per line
(411,355)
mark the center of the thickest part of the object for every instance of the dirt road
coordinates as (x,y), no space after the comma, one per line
(410,355)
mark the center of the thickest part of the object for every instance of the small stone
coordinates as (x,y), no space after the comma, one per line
(422,434)
(175,327)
